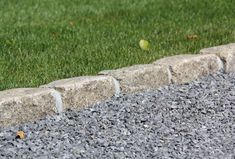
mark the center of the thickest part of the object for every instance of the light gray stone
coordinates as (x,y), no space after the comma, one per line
(140,77)
(186,68)
(85,90)
(25,104)
(226,53)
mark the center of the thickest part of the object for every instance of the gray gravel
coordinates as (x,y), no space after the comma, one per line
(194,120)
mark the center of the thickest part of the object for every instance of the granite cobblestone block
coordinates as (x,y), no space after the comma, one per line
(186,68)
(140,77)
(226,53)
(82,91)
(26,104)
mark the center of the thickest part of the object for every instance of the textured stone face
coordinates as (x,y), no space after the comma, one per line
(140,77)
(226,53)
(185,68)
(82,91)
(25,104)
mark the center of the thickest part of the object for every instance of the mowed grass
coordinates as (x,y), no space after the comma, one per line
(46,40)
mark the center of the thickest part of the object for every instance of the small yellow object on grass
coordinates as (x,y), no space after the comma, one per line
(144,45)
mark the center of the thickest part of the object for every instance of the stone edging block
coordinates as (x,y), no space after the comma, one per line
(186,68)
(140,77)
(27,104)
(23,105)
(226,53)
(86,90)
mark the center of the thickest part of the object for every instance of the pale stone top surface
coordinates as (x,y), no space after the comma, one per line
(228,48)
(134,68)
(78,81)
(21,92)
(180,59)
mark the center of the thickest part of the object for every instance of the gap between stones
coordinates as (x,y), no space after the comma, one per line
(117,86)
(58,101)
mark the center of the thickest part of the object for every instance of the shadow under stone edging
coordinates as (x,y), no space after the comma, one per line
(23,105)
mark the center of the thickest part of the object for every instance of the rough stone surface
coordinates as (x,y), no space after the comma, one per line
(85,90)
(25,104)
(140,77)
(186,68)
(226,53)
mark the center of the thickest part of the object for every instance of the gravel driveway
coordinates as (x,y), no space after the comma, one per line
(194,120)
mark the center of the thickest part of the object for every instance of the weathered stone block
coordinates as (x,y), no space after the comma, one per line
(25,104)
(140,77)
(85,90)
(226,53)
(185,68)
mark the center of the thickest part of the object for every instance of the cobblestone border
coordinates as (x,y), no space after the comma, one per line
(22,105)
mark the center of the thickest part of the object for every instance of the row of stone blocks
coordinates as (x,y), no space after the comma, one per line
(28,104)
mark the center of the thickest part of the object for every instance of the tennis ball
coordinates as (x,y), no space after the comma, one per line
(144,45)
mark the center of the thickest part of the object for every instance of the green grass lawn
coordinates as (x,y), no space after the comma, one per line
(46,40)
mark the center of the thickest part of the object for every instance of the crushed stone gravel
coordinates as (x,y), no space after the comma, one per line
(193,120)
